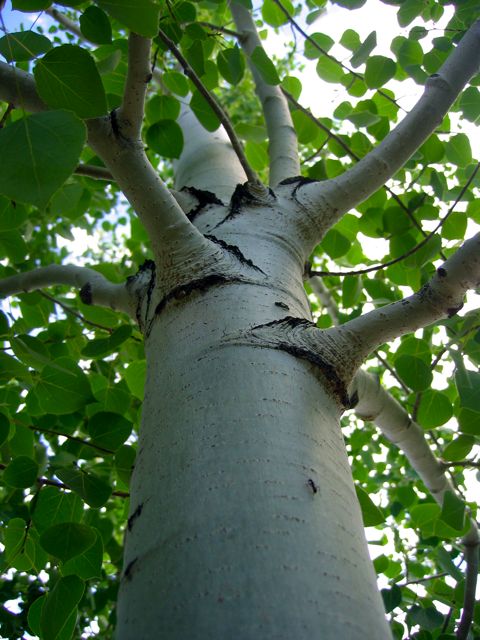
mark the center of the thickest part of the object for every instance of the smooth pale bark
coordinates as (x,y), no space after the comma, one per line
(227,535)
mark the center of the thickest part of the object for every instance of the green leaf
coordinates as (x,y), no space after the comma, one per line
(363,52)
(413,372)
(379,71)
(469,421)
(350,4)
(458,150)
(135,375)
(67,78)
(434,409)
(22,551)
(392,598)
(60,607)
(257,155)
(335,244)
(53,507)
(103,346)
(176,82)
(141,16)
(39,152)
(459,448)
(203,111)
(23,45)
(351,290)
(273,15)
(86,565)
(317,44)
(468,385)
(95,25)
(292,85)
(264,65)
(4,428)
(162,108)
(124,461)
(30,351)
(109,430)
(329,70)
(31,5)
(21,472)
(62,387)
(408,11)
(231,64)
(424,514)
(165,137)
(371,514)
(470,104)
(90,487)
(453,511)
(67,539)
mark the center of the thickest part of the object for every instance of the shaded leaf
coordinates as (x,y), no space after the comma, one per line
(67,539)
(39,152)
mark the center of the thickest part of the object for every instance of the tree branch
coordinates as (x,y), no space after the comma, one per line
(216,108)
(334,197)
(429,236)
(94,287)
(18,88)
(65,21)
(283,145)
(441,297)
(378,406)
(92,171)
(139,74)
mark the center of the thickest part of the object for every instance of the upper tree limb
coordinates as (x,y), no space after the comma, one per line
(441,297)
(283,148)
(338,195)
(94,287)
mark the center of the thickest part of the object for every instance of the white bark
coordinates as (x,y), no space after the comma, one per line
(227,537)
(283,148)
(208,161)
(139,75)
(96,288)
(334,197)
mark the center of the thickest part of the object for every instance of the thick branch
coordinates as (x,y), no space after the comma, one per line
(378,406)
(18,88)
(216,108)
(65,21)
(138,76)
(338,195)
(92,171)
(441,297)
(94,287)
(283,145)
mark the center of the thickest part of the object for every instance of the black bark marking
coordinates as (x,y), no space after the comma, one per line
(353,400)
(329,372)
(127,574)
(86,293)
(114,123)
(234,250)
(134,516)
(454,310)
(312,485)
(299,181)
(442,273)
(204,199)
(282,305)
(240,196)
(202,284)
(148,265)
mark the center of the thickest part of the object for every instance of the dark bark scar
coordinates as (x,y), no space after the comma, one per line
(134,516)
(127,574)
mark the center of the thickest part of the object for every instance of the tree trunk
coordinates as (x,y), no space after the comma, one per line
(244,520)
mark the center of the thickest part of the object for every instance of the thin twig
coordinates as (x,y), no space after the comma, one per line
(421,580)
(352,154)
(92,171)
(471,558)
(314,44)
(7,112)
(460,463)
(216,108)
(62,485)
(414,249)
(72,312)
(225,30)
(52,432)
